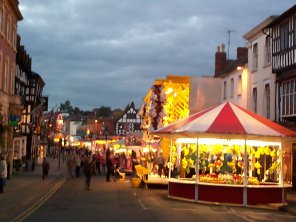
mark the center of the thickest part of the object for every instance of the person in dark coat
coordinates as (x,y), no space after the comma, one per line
(3,173)
(45,168)
(110,165)
(88,167)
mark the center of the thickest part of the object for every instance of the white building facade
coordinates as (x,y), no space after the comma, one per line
(262,81)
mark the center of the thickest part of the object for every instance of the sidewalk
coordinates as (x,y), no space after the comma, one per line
(291,203)
(24,188)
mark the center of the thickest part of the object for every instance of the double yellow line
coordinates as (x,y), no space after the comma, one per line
(41,201)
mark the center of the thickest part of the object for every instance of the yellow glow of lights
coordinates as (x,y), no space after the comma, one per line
(170,90)
(227,141)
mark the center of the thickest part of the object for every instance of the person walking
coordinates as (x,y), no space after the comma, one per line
(110,165)
(71,164)
(3,173)
(45,168)
(134,163)
(77,165)
(88,167)
(160,163)
(103,162)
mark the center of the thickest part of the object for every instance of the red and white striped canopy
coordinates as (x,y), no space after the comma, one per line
(225,119)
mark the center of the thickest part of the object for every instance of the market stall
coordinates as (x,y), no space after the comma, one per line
(230,155)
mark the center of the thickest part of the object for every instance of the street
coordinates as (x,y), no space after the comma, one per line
(118,201)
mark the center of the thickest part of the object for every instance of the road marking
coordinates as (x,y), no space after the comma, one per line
(239,215)
(39,203)
(142,205)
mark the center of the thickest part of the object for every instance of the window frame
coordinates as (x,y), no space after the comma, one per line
(255,57)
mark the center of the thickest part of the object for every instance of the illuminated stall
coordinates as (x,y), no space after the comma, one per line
(174,98)
(228,154)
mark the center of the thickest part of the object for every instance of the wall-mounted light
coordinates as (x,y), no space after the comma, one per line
(239,68)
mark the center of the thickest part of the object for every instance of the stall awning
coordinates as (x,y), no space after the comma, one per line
(226,118)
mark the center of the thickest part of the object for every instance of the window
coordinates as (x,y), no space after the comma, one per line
(14,37)
(1,19)
(254,99)
(225,90)
(231,88)
(266,101)
(288,98)
(8,30)
(1,65)
(6,75)
(284,36)
(267,56)
(239,85)
(12,80)
(255,57)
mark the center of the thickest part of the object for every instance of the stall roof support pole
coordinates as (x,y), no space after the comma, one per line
(197,171)
(171,165)
(245,194)
(282,173)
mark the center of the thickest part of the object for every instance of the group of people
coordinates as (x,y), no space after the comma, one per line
(104,163)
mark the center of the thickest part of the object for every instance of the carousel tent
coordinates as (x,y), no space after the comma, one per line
(226,120)
(229,121)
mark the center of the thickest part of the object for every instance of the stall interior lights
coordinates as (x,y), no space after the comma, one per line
(170,90)
(147,149)
(262,143)
(186,140)
(228,142)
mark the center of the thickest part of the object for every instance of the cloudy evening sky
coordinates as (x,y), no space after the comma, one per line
(109,52)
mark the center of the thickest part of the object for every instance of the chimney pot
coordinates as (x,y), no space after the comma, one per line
(222,48)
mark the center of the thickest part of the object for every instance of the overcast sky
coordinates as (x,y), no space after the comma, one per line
(109,52)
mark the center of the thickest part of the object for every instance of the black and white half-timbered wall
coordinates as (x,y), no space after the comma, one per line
(283,34)
(129,122)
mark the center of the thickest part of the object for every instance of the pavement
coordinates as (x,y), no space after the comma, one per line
(25,188)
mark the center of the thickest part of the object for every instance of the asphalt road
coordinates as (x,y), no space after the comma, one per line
(118,201)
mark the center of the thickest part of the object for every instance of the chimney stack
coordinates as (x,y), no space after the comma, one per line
(241,51)
(220,60)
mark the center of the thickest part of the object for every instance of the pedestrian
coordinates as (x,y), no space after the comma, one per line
(33,165)
(103,162)
(45,168)
(3,173)
(8,168)
(98,162)
(71,164)
(160,163)
(77,165)
(134,163)
(110,165)
(87,169)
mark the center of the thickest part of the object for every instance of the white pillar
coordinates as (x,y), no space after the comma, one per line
(245,193)
(197,172)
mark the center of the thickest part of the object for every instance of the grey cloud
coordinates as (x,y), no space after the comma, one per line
(107,52)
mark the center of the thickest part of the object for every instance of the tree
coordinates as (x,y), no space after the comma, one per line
(66,107)
(103,111)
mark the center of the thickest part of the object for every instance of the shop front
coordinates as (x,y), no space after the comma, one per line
(227,154)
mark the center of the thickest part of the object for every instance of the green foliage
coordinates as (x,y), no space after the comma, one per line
(103,111)
(66,107)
